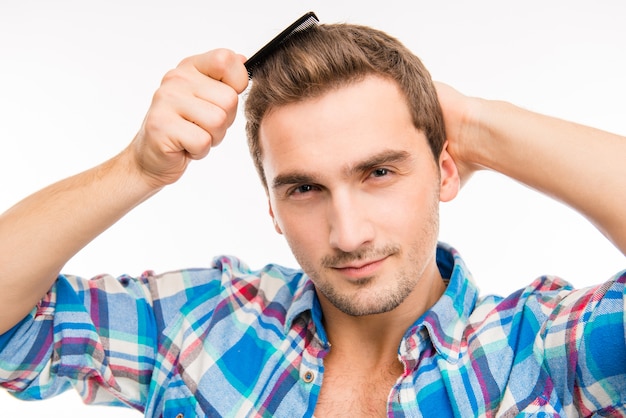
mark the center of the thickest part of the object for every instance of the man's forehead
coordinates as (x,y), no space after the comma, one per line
(317,93)
(350,94)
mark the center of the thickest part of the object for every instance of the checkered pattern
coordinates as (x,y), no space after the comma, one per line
(229,341)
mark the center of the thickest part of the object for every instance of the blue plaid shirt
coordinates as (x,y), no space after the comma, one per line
(228,341)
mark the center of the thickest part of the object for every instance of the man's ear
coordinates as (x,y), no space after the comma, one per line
(276,226)
(450,180)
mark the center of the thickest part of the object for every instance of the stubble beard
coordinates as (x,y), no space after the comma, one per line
(369,297)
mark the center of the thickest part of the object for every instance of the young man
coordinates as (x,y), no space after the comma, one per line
(346,133)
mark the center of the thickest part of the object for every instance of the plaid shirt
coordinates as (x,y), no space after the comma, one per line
(228,341)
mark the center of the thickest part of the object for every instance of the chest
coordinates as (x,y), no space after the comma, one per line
(354,391)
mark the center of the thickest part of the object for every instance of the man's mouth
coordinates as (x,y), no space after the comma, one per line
(361,264)
(360,268)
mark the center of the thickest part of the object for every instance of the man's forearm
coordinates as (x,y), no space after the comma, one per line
(578,165)
(42,232)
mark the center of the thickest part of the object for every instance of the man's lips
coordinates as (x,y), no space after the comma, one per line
(360,268)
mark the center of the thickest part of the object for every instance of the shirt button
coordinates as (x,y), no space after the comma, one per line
(180,416)
(309,376)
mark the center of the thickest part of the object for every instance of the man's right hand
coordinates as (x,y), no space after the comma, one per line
(190,112)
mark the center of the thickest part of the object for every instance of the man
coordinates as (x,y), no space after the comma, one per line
(346,133)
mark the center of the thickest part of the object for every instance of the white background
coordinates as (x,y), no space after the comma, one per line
(78,76)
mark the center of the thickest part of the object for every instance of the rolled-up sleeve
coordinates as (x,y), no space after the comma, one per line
(601,368)
(100,336)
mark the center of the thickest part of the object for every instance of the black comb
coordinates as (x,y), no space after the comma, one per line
(303,23)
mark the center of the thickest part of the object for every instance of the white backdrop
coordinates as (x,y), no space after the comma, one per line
(78,76)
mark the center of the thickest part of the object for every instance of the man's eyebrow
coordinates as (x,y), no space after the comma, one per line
(291,178)
(382,158)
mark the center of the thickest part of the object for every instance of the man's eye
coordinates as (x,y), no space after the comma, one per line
(380,172)
(303,189)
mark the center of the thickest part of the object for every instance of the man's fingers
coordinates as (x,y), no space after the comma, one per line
(200,98)
(222,101)
(190,113)
(223,65)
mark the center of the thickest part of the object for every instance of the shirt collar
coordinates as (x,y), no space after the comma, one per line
(307,303)
(304,300)
(446,321)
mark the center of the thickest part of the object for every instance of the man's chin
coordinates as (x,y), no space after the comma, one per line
(359,305)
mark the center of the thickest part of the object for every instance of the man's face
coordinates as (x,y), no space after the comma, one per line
(354,188)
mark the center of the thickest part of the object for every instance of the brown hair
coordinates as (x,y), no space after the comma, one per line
(325,57)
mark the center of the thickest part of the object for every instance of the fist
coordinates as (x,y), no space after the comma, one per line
(190,113)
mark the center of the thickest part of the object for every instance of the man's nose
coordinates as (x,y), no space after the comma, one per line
(350,226)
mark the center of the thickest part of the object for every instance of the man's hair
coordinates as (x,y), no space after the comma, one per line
(326,57)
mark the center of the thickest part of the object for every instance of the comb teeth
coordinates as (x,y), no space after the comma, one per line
(303,23)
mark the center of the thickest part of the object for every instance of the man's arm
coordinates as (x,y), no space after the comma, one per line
(578,165)
(190,113)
